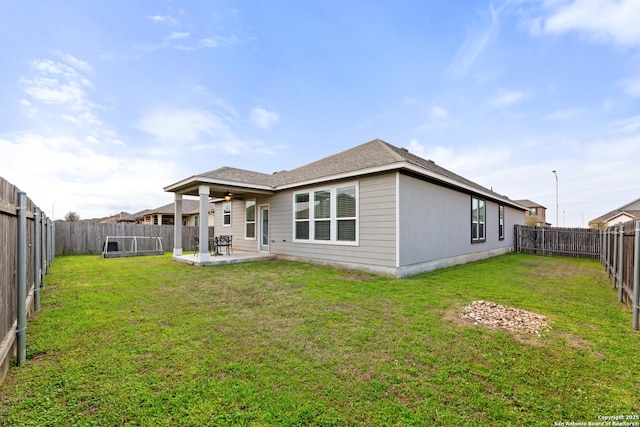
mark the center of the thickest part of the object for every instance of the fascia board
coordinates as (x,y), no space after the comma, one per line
(196,181)
(352,174)
(398,166)
(461,185)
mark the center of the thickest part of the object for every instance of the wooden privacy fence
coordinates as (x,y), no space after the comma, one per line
(82,238)
(26,253)
(621,259)
(568,242)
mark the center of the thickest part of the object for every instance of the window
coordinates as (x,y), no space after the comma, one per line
(250,219)
(327,215)
(533,211)
(226,214)
(501,222)
(477,220)
(196,221)
(322,215)
(346,213)
(301,216)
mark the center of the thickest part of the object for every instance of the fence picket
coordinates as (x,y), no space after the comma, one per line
(569,242)
(623,263)
(84,238)
(20,275)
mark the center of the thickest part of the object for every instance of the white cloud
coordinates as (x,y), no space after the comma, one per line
(632,85)
(76,63)
(182,127)
(477,40)
(77,177)
(262,118)
(464,162)
(601,21)
(218,41)
(195,129)
(438,112)
(629,125)
(58,84)
(207,43)
(505,98)
(175,36)
(159,19)
(564,115)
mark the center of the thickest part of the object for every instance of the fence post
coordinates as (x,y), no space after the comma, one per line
(22,277)
(606,250)
(43,248)
(636,276)
(614,264)
(36,258)
(543,241)
(621,264)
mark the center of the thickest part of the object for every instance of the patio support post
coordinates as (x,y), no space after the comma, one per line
(177,226)
(203,236)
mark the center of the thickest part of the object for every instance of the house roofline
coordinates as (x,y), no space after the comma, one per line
(193,182)
(407,166)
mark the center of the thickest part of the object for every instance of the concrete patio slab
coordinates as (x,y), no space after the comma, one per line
(234,258)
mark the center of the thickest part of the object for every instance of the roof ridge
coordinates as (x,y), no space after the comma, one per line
(392,149)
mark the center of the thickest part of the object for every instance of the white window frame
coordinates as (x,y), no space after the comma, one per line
(333,190)
(500,222)
(226,214)
(481,225)
(254,222)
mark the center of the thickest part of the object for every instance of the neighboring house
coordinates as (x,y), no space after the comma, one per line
(536,213)
(122,217)
(164,215)
(374,207)
(628,212)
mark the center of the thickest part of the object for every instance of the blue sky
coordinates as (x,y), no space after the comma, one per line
(105,103)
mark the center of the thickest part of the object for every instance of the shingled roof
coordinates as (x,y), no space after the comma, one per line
(528,203)
(370,157)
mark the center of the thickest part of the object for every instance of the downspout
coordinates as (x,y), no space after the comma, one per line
(22,277)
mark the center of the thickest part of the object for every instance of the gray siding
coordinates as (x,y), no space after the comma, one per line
(435,227)
(238,221)
(376,250)
(432,228)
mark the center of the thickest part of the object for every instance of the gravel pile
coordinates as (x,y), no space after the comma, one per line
(498,316)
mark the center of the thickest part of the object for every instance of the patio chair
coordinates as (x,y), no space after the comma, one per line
(224,241)
(197,240)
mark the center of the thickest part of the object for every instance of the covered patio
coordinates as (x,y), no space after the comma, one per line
(221,185)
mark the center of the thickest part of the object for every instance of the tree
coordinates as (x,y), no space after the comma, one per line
(532,221)
(72,216)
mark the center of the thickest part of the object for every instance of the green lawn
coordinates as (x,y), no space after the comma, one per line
(148,341)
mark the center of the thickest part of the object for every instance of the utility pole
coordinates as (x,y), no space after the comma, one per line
(556,174)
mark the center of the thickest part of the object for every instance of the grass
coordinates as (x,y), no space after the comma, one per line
(147,341)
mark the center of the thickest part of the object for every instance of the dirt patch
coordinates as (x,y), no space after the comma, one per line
(575,341)
(357,277)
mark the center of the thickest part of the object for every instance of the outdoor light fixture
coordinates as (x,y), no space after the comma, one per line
(227,196)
